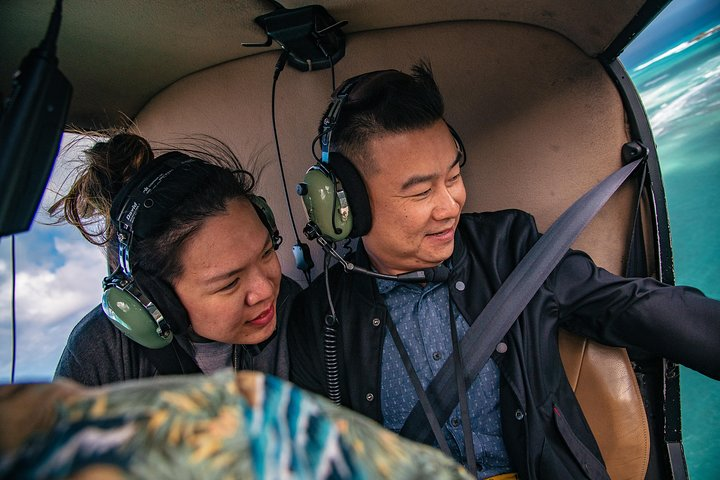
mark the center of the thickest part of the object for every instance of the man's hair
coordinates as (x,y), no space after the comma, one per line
(386,103)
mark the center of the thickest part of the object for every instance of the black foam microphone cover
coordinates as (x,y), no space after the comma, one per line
(438,274)
(435,274)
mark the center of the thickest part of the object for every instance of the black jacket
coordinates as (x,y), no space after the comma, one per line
(98,353)
(544,430)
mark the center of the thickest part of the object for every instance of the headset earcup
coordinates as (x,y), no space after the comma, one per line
(324,208)
(127,313)
(163,296)
(356,192)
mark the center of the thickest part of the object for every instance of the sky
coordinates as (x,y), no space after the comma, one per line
(58,279)
(678,22)
(59,274)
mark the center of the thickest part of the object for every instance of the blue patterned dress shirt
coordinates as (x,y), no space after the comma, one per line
(420,314)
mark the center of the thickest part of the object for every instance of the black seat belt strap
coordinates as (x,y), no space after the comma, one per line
(509,301)
(422,396)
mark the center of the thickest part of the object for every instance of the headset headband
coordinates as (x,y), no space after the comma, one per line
(333,113)
(146,194)
(340,97)
(140,195)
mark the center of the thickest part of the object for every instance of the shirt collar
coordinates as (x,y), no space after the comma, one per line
(385,286)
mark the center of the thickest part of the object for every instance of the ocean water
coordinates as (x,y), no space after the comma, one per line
(681,93)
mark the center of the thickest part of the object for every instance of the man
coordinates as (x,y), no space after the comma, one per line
(519,414)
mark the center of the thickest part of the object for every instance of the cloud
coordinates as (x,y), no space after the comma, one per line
(57,281)
(48,303)
(678,48)
(48,296)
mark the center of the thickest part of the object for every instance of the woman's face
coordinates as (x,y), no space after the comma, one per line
(231,277)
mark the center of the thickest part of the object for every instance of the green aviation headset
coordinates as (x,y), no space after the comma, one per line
(142,306)
(333,192)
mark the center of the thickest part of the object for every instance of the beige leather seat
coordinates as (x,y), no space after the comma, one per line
(604,383)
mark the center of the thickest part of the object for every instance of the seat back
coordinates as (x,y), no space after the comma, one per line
(604,383)
(541,121)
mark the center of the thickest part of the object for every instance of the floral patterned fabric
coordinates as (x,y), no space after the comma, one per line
(225,426)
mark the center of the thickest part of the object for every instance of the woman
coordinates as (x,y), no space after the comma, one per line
(196,284)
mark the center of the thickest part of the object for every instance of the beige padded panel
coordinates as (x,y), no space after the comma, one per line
(604,383)
(521,97)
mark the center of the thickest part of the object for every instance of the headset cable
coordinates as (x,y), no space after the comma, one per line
(301,251)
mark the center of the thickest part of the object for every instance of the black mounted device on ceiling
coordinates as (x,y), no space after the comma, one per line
(31,127)
(312,38)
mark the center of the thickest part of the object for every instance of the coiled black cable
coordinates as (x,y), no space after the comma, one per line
(330,343)
(330,335)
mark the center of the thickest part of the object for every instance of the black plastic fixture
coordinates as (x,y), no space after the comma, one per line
(31,127)
(311,36)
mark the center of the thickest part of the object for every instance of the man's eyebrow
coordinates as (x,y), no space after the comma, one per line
(415,180)
(427,178)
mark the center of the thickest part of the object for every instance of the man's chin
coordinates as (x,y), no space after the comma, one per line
(431,262)
(438,255)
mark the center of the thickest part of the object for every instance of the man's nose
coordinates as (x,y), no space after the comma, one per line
(447,206)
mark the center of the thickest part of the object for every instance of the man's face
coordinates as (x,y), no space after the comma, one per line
(416,195)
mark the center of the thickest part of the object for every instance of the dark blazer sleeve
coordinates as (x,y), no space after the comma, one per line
(678,323)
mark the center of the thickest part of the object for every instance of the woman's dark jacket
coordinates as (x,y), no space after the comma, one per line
(544,430)
(98,353)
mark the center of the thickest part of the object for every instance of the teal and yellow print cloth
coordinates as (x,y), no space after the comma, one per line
(225,426)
